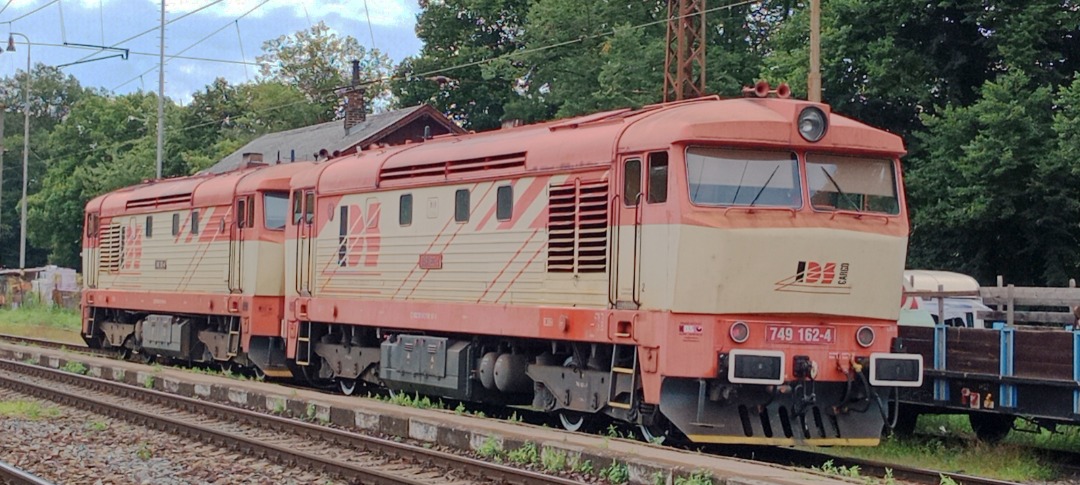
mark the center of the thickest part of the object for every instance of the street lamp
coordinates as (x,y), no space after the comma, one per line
(26,143)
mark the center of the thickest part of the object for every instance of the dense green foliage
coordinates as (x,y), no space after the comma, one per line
(983,91)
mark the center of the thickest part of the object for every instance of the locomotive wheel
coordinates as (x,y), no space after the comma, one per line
(227,367)
(661,432)
(571,420)
(347,386)
(991,428)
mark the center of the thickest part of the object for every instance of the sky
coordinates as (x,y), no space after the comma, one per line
(241,26)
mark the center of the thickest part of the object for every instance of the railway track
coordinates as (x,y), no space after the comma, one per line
(780,456)
(353,457)
(49,344)
(10,475)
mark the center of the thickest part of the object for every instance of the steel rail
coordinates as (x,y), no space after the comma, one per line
(390,449)
(50,344)
(14,476)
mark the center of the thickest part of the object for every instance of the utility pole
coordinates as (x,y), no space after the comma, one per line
(3,111)
(161,94)
(813,81)
(684,63)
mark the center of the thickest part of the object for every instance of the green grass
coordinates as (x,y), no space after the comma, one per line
(38,321)
(27,410)
(956,450)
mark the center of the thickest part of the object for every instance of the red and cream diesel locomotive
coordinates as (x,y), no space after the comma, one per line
(721,271)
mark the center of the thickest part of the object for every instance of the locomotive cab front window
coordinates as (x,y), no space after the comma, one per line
(275,205)
(852,184)
(753,178)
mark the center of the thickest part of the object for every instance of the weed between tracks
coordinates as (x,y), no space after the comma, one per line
(27,410)
(947,443)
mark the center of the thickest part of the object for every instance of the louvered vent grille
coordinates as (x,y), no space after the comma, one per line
(446,170)
(578,228)
(159,201)
(112,248)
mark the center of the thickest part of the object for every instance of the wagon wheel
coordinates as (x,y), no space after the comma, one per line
(991,428)
(572,420)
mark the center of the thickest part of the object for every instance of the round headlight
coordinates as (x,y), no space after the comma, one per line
(812,123)
(739,332)
(865,336)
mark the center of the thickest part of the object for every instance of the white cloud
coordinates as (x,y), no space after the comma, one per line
(387,13)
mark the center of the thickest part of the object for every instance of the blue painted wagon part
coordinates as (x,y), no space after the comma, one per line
(1007,395)
(1076,372)
(941,386)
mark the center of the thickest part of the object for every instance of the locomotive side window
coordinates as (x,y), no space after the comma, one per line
(852,183)
(91,225)
(309,206)
(631,182)
(297,206)
(175,224)
(657,177)
(149,227)
(241,213)
(194,222)
(343,236)
(275,206)
(722,176)
(461,205)
(405,210)
(504,203)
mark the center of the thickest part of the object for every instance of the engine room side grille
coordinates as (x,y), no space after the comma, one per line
(155,202)
(110,256)
(578,227)
(438,171)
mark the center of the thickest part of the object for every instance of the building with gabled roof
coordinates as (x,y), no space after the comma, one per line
(336,138)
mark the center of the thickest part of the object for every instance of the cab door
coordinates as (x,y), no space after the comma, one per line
(243,221)
(90,260)
(625,230)
(642,193)
(304,220)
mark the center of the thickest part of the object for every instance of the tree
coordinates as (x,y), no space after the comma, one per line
(52,95)
(223,117)
(104,144)
(317,61)
(453,72)
(985,198)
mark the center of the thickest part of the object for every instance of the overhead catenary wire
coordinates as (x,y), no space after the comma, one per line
(371,31)
(6,5)
(27,14)
(434,71)
(240,40)
(154,54)
(154,29)
(101,15)
(63,30)
(207,36)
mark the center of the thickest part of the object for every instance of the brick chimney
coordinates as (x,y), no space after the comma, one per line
(354,100)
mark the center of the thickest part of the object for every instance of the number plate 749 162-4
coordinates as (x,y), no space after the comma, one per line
(794,334)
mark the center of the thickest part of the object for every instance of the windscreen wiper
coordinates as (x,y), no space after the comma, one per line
(841,192)
(766,184)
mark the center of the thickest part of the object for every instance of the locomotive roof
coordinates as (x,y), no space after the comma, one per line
(592,140)
(195,191)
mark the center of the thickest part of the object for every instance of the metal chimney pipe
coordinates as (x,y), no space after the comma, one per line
(355,72)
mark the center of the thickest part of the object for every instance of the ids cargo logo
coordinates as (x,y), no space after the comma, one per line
(818,277)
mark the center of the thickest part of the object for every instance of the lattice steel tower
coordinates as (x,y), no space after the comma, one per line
(684,65)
